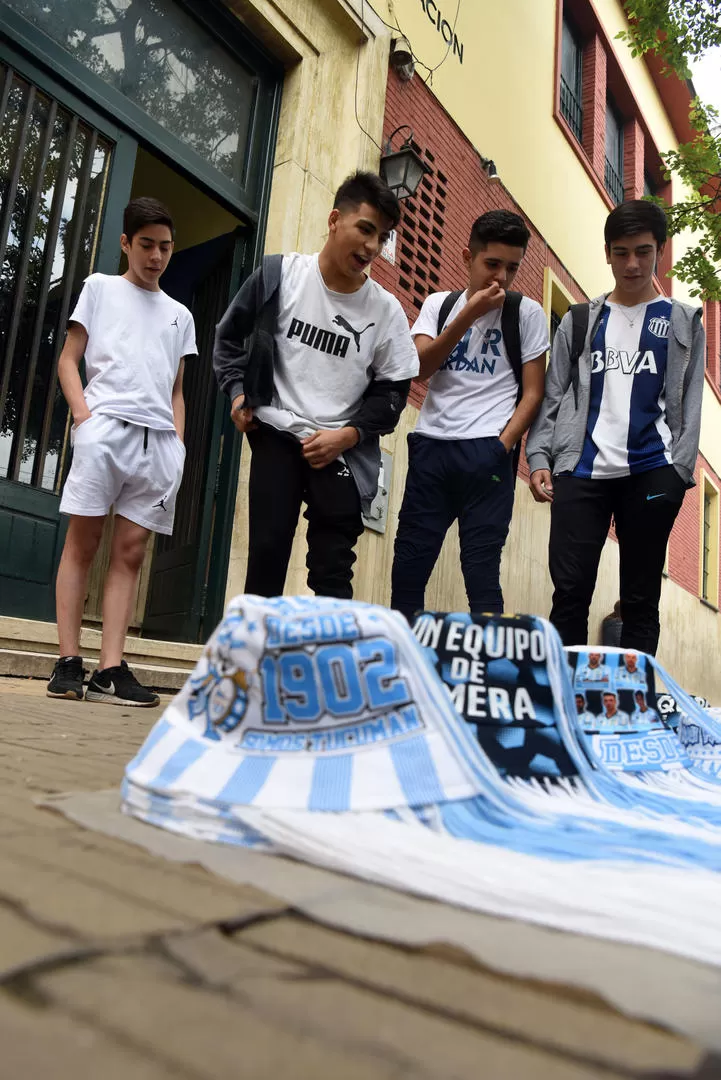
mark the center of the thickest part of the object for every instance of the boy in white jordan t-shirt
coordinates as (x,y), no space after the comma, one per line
(128,450)
(478,406)
(617,435)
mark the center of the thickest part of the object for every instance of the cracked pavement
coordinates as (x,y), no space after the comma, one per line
(117,964)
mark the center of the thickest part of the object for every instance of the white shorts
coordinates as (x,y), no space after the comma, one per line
(134,469)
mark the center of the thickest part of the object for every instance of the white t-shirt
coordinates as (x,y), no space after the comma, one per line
(329,345)
(136,340)
(473,395)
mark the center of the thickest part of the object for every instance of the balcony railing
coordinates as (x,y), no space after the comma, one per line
(571,109)
(614,183)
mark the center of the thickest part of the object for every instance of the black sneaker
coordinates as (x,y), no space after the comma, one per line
(67,678)
(118,686)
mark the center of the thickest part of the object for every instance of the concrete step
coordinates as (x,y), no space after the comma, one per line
(39,665)
(30,648)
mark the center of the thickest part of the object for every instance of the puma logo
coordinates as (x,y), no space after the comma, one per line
(339,320)
(161,504)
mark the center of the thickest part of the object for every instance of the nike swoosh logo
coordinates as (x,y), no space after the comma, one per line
(649,497)
(109,689)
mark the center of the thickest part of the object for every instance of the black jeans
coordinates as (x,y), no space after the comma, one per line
(644,507)
(280,481)
(468,479)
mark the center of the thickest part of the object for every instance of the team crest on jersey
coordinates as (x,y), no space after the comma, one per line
(659,326)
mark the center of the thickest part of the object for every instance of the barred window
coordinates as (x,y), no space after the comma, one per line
(614,153)
(572,78)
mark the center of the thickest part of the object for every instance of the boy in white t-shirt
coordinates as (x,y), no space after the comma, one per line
(317,359)
(128,450)
(480,401)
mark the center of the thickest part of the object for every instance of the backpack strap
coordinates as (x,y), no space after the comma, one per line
(579,315)
(511,329)
(446,308)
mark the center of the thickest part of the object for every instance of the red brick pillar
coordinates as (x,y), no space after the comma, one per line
(633,155)
(594,103)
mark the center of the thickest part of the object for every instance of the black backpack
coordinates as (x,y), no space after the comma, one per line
(579,317)
(511,330)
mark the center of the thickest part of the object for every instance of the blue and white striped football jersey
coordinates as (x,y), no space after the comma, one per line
(627,431)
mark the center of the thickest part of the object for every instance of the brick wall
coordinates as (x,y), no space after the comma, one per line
(684,549)
(712,323)
(633,159)
(594,103)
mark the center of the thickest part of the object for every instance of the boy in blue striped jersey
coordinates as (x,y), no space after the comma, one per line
(617,435)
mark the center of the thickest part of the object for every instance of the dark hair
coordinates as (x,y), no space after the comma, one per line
(500,227)
(367,187)
(145,211)
(633,217)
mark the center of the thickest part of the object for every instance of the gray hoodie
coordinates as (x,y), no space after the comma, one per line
(556,438)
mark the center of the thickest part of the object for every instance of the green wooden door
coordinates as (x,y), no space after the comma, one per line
(63,168)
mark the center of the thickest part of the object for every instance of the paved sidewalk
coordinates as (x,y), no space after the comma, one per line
(115,964)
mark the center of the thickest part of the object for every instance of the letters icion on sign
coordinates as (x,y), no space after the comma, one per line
(444,27)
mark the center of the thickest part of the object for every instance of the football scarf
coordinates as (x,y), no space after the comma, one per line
(321,705)
(665,740)
(509,679)
(448,764)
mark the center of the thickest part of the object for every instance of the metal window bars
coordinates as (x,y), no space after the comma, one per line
(613,182)
(571,109)
(52,173)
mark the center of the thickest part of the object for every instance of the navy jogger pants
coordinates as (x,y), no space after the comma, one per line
(470,480)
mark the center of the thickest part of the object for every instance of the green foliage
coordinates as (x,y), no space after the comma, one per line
(679,30)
